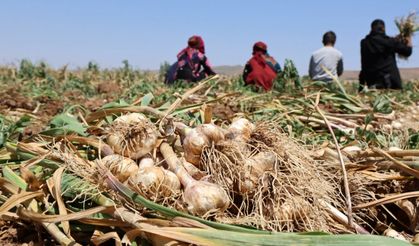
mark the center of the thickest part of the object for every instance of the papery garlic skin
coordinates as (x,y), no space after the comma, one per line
(120,166)
(202,197)
(240,129)
(146,162)
(157,180)
(132,135)
(254,169)
(197,138)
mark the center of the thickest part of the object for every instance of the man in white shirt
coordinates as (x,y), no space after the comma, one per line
(326,58)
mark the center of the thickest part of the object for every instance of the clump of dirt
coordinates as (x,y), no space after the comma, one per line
(74,96)
(223,111)
(108,88)
(15,234)
(32,129)
(49,106)
(13,99)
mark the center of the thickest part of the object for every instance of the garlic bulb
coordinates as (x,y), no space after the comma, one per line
(396,125)
(254,169)
(292,209)
(196,139)
(120,166)
(212,132)
(146,162)
(200,196)
(240,129)
(193,144)
(352,151)
(394,234)
(155,180)
(132,135)
(203,197)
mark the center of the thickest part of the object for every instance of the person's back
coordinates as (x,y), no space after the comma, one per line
(262,69)
(378,58)
(190,61)
(192,65)
(326,58)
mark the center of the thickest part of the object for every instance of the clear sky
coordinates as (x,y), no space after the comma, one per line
(150,32)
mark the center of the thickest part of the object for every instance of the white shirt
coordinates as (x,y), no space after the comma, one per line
(330,58)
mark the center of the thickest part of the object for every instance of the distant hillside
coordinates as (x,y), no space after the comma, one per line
(406,73)
(229,70)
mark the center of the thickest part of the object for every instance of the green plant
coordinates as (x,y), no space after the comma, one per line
(288,75)
(10,130)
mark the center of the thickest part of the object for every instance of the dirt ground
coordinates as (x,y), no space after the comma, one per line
(14,234)
(42,109)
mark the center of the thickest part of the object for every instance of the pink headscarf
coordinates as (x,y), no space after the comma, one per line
(197,42)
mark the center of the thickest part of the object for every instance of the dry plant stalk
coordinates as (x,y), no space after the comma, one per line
(388,199)
(345,175)
(181,99)
(400,165)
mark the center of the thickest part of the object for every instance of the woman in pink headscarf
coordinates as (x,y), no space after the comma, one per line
(192,65)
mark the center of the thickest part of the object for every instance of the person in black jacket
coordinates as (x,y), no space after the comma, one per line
(378,58)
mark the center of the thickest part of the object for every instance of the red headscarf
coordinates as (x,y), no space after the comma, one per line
(261,46)
(259,49)
(261,74)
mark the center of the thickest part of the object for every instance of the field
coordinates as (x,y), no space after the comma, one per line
(306,157)
(406,73)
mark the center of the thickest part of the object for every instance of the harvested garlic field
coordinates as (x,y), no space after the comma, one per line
(168,164)
(221,123)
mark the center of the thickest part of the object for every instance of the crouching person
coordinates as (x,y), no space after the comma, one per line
(192,65)
(262,69)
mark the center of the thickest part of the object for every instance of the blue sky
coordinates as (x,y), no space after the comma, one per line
(150,32)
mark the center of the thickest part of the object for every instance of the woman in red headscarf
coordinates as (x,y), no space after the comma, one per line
(261,69)
(192,65)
